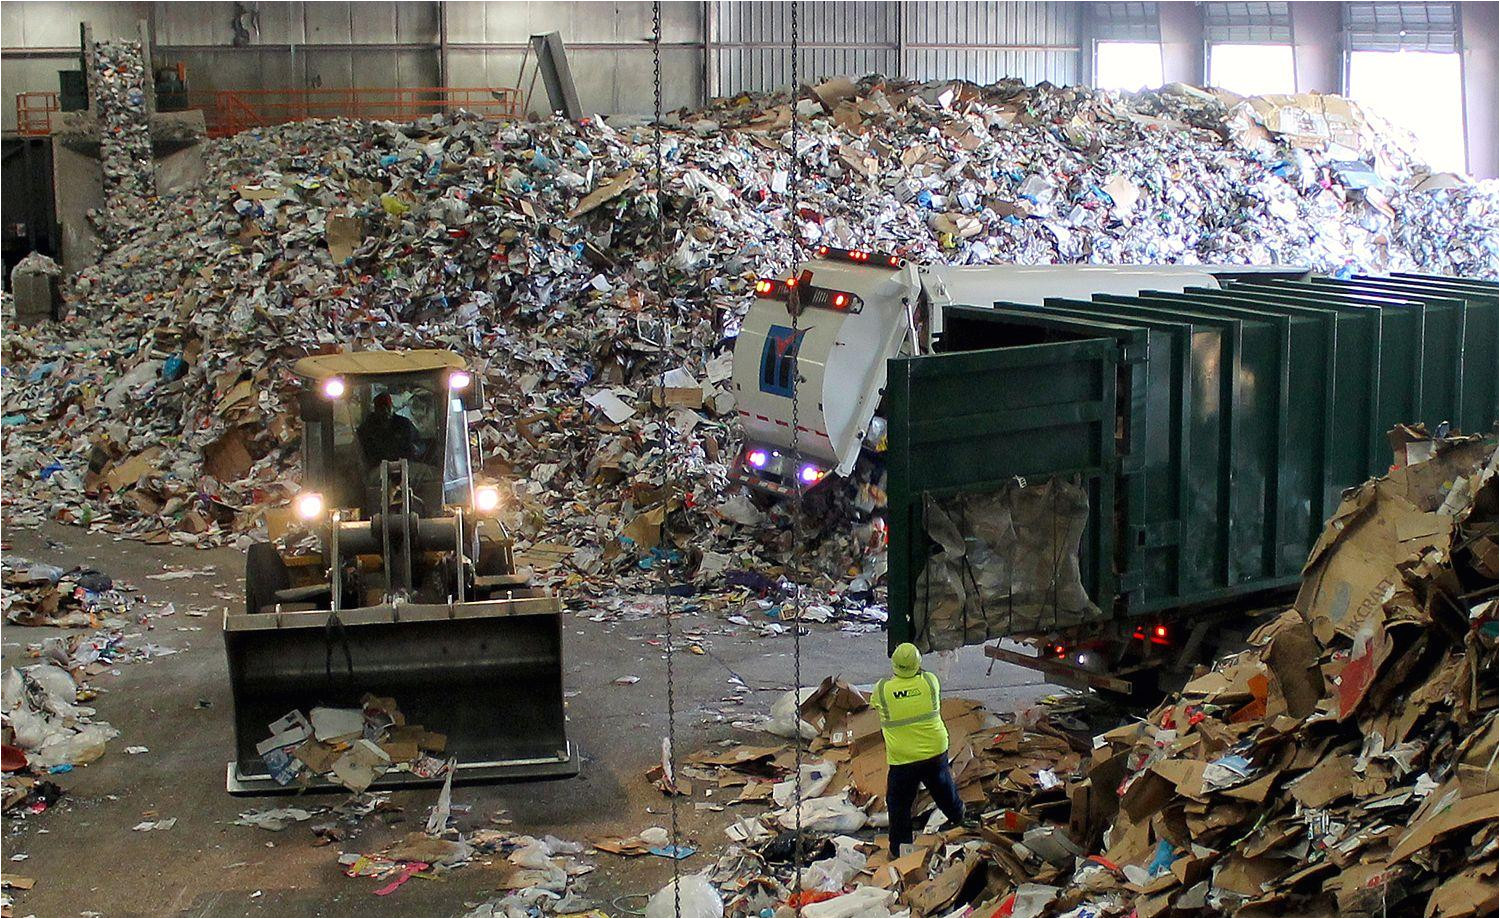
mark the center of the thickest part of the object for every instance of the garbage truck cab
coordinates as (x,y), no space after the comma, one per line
(411,593)
(834,324)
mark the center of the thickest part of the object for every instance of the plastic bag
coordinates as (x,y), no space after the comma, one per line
(833,814)
(699,898)
(815,779)
(784,719)
(835,873)
(861,901)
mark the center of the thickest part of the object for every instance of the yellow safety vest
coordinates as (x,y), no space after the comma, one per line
(911,719)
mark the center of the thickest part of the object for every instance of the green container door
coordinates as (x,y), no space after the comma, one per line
(971,422)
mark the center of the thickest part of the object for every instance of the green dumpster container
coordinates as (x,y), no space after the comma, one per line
(1212,430)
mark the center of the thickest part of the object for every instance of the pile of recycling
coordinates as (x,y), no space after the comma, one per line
(166,409)
(119,93)
(34,593)
(536,876)
(46,731)
(350,746)
(1344,764)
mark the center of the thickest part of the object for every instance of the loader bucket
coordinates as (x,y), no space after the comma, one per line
(486,674)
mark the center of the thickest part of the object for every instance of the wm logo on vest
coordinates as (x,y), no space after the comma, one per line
(906,693)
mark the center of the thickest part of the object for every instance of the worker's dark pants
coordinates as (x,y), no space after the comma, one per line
(901,792)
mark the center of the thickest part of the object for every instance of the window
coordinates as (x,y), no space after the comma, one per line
(1421,91)
(778,362)
(1251,70)
(1128,65)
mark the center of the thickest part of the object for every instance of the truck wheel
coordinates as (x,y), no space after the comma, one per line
(265,573)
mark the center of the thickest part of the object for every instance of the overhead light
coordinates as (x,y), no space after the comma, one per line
(308,505)
(333,388)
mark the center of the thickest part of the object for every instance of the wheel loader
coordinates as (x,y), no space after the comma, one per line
(412,593)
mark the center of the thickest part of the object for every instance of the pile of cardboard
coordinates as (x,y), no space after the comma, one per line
(1345,763)
(35,593)
(350,746)
(1000,767)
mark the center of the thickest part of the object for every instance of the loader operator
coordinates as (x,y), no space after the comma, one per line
(385,435)
(916,744)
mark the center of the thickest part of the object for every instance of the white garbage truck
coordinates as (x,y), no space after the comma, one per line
(853,310)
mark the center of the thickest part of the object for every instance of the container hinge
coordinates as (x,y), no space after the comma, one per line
(1166,533)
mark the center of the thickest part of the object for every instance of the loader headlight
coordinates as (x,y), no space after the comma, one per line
(486,498)
(333,388)
(308,505)
(458,380)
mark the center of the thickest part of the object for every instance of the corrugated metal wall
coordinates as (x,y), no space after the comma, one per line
(314,45)
(750,42)
(607,49)
(986,42)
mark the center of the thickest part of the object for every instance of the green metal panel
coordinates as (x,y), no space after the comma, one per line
(1479,346)
(974,421)
(1234,419)
(1291,444)
(1371,361)
(1149,466)
(1180,536)
(1443,324)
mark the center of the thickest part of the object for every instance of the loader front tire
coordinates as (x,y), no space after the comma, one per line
(265,573)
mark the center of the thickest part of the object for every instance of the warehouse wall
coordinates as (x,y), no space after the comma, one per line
(749,43)
(607,49)
(741,45)
(314,45)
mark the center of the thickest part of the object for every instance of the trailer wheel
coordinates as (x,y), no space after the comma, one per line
(265,573)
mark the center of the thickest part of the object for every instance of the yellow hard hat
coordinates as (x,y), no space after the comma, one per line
(906,660)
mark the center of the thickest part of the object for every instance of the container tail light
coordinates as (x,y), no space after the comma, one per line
(757,458)
(840,301)
(810,474)
(861,256)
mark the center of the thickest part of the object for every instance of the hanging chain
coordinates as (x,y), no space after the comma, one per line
(664,546)
(794,185)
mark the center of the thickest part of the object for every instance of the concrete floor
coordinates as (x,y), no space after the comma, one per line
(86,859)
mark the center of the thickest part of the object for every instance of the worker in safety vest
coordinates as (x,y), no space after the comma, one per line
(916,743)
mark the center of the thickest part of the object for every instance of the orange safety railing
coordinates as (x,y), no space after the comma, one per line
(34,112)
(229,111)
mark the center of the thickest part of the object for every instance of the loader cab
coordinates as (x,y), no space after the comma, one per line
(410,407)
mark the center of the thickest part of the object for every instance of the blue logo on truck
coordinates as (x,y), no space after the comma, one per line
(778,362)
